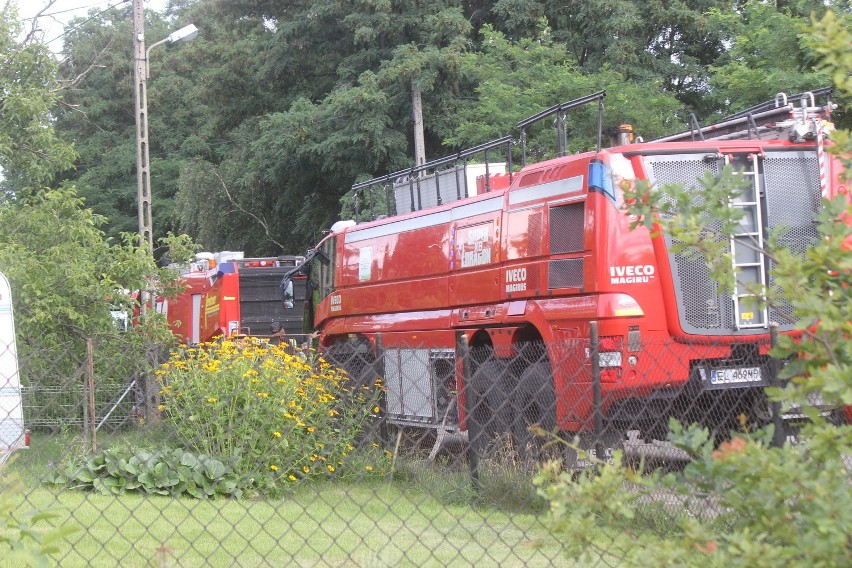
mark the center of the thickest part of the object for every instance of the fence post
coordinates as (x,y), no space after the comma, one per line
(473,430)
(597,402)
(379,371)
(779,434)
(150,388)
(90,398)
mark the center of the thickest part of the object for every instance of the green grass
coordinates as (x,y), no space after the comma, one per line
(425,515)
(361,524)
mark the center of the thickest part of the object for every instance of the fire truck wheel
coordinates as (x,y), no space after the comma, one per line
(535,404)
(487,413)
(356,358)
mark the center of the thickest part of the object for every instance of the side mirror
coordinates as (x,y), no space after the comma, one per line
(289,299)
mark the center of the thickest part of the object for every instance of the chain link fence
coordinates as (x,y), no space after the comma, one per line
(250,454)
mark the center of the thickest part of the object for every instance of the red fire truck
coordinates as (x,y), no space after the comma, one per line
(487,302)
(227,295)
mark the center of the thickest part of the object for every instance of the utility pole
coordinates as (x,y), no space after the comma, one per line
(143,188)
(143,173)
(417,112)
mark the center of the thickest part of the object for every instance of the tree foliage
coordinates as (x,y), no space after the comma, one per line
(66,275)
(260,125)
(30,150)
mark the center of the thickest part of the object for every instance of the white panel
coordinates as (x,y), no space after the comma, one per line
(195,333)
(408,380)
(11,407)
(544,190)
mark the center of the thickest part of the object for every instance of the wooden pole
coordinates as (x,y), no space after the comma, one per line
(90,373)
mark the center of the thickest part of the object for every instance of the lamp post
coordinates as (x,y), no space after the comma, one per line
(143,173)
(186,33)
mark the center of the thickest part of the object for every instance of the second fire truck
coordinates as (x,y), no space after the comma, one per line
(227,295)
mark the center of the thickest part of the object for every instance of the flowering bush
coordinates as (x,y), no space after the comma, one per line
(277,418)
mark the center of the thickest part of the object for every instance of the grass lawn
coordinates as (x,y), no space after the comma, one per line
(426,515)
(360,524)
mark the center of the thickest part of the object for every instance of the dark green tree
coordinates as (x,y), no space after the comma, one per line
(518,79)
(766,54)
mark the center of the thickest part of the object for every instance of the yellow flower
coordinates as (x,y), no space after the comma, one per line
(273,467)
(161,407)
(330,468)
(376,409)
(311,429)
(277,434)
(306,469)
(368,468)
(262,394)
(292,478)
(212,399)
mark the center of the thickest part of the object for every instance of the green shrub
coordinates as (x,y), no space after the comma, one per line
(172,472)
(277,418)
(741,504)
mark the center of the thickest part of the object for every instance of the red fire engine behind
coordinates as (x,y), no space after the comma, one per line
(228,295)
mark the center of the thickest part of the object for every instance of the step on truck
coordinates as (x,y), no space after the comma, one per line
(525,297)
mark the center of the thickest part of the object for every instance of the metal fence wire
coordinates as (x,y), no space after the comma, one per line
(364,455)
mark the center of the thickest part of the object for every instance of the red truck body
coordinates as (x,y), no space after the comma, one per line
(545,251)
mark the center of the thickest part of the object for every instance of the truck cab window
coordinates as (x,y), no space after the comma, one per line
(322,270)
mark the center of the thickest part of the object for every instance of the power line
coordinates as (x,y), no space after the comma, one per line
(84,22)
(68,10)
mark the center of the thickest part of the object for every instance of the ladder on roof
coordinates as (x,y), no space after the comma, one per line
(749,266)
(778,119)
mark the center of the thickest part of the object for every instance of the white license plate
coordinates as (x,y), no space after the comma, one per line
(734,376)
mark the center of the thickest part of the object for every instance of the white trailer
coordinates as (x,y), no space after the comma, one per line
(13,435)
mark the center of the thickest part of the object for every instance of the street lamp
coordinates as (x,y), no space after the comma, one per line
(186,33)
(143,173)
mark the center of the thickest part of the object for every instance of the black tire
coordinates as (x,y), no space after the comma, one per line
(357,359)
(535,404)
(487,407)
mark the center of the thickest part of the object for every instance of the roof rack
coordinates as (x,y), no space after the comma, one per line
(427,185)
(770,120)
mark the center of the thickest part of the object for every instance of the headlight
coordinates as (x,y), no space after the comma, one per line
(609,359)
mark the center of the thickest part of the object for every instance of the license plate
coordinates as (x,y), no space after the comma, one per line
(735,376)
